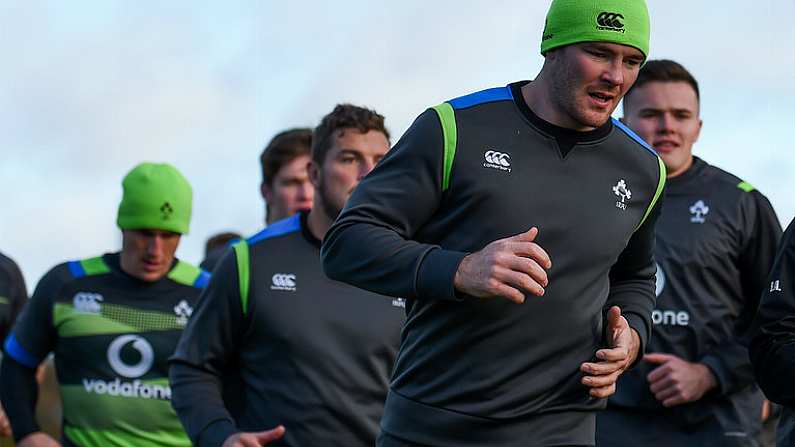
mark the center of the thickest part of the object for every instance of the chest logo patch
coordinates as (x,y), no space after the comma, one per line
(775,286)
(88,303)
(399,302)
(622,191)
(497,160)
(698,212)
(283,281)
(183,311)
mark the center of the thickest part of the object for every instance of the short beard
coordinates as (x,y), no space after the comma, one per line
(329,209)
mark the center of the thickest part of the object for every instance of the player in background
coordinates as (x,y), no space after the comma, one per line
(716,239)
(111,321)
(13,295)
(314,355)
(773,343)
(285,183)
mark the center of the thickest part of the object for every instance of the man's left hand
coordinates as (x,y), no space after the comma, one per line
(624,343)
(677,381)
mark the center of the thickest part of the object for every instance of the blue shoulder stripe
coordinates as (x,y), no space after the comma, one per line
(482,97)
(633,135)
(279,228)
(76,268)
(18,353)
(202,280)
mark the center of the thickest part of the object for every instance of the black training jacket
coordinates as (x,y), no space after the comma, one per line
(470,171)
(773,344)
(309,353)
(716,240)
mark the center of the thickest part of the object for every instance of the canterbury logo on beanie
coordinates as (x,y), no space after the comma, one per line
(624,22)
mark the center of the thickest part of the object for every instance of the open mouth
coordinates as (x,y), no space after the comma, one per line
(665,145)
(601,98)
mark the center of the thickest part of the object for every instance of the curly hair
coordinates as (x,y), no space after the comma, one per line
(344,116)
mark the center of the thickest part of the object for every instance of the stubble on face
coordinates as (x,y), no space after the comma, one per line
(582,83)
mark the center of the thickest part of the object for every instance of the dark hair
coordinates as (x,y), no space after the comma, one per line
(283,148)
(219,240)
(344,116)
(663,70)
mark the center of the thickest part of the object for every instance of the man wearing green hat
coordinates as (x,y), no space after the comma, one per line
(518,222)
(112,322)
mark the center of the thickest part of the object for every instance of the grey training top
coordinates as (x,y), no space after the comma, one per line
(312,354)
(470,171)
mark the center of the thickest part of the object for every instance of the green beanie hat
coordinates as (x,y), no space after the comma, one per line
(624,22)
(156,197)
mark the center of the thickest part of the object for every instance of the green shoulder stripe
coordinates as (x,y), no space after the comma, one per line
(184,273)
(450,134)
(745,186)
(94,266)
(660,185)
(241,254)
(4,300)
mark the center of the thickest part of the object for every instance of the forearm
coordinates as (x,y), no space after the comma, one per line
(731,366)
(18,393)
(378,259)
(374,244)
(197,398)
(632,279)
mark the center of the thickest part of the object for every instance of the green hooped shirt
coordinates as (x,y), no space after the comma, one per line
(111,335)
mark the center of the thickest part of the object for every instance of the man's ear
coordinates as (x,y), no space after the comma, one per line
(266,192)
(313,171)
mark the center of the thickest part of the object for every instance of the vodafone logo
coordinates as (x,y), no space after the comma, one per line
(136,369)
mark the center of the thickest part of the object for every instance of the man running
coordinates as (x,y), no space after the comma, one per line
(519,224)
(773,344)
(715,245)
(112,322)
(314,355)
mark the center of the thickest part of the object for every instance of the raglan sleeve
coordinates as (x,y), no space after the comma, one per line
(208,345)
(761,233)
(32,338)
(772,347)
(371,244)
(632,278)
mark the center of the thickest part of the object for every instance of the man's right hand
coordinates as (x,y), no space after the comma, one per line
(38,439)
(257,439)
(507,268)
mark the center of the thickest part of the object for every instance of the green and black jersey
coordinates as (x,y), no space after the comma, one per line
(773,343)
(473,170)
(716,240)
(111,335)
(314,355)
(13,294)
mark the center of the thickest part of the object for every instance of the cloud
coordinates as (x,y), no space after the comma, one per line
(87,92)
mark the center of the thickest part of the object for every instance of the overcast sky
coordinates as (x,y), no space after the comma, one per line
(89,89)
